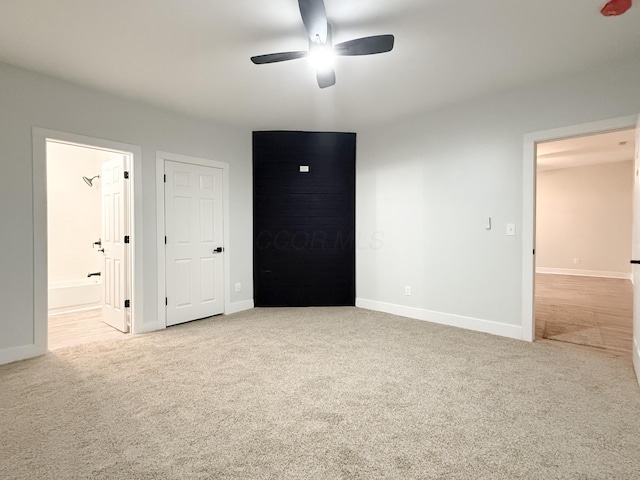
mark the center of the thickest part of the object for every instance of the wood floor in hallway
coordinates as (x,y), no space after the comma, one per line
(590,311)
(76,328)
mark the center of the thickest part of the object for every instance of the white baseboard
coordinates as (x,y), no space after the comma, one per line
(239,307)
(148,327)
(636,358)
(230,308)
(583,273)
(476,324)
(9,355)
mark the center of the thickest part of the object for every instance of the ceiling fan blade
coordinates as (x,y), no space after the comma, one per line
(326,77)
(365,45)
(314,17)
(277,57)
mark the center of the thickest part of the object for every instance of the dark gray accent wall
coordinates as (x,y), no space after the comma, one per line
(304,221)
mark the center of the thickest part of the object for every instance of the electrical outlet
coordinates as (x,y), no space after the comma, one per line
(407,290)
(511,229)
(238,287)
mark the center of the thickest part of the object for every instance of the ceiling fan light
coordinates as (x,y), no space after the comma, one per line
(321,57)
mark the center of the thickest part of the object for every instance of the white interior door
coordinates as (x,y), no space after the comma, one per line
(636,256)
(114,229)
(194,242)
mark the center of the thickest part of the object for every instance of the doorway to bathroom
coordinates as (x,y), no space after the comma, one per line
(88,239)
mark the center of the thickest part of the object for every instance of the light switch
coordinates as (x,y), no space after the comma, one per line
(304,168)
(511,229)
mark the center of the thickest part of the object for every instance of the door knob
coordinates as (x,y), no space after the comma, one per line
(218,250)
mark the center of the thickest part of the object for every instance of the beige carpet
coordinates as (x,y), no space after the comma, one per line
(319,393)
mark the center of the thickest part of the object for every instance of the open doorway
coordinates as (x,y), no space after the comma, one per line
(88,223)
(583,238)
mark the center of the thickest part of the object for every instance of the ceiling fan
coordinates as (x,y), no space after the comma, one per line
(321,48)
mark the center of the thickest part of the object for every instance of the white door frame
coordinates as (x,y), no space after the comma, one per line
(174,157)
(529,202)
(40,259)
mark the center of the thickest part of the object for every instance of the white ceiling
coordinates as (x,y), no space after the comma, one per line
(192,56)
(609,147)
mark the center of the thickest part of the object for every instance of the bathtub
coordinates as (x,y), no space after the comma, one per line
(81,294)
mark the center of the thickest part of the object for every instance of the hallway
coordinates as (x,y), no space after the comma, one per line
(590,311)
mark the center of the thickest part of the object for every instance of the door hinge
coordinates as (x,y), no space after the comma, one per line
(534,251)
(126,174)
(165,178)
(126,239)
(166,301)
(165,239)
(127,303)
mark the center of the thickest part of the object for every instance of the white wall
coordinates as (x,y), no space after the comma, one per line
(73,212)
(427,185)
(28,100)
(585,213)
(424,189)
